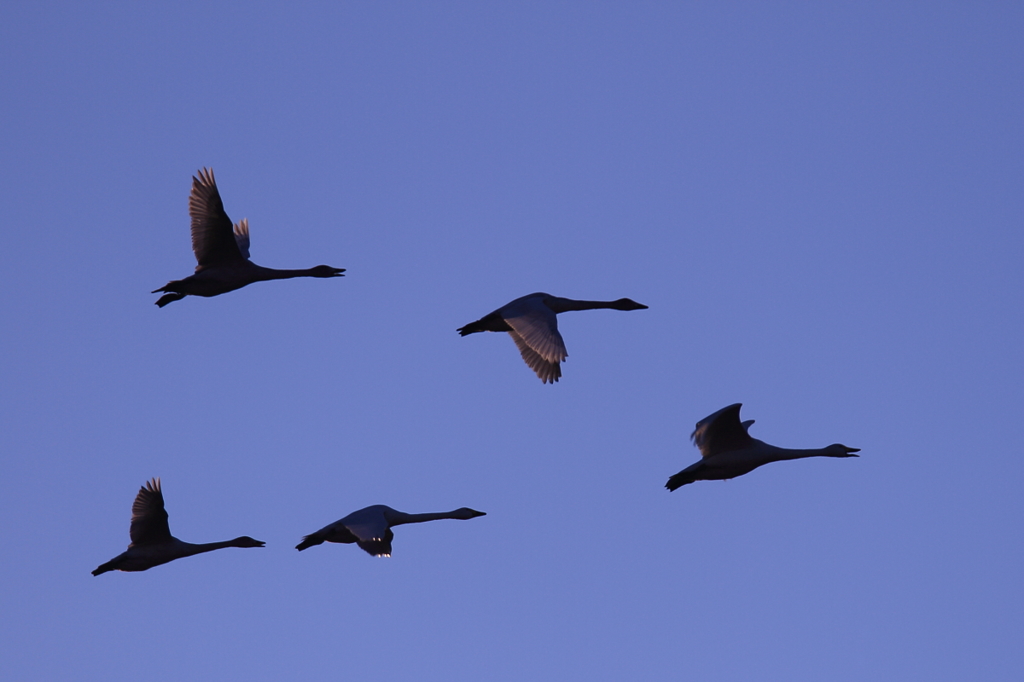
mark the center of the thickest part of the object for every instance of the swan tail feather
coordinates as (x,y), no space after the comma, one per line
(684,477)
(103,568)
(488,323)
(310,541)
(168,298)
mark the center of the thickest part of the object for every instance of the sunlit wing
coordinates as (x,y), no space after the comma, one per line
(549,372)
(538,328)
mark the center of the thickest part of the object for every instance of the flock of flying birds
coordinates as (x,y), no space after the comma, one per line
(222,251)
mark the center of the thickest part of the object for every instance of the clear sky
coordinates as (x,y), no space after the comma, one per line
(820,202)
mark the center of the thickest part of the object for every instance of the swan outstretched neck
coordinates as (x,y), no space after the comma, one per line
(152,543)
(728,451)
(531,322)
(222,250)
(370,527)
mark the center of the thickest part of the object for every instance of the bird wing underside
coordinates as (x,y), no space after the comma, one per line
(213,238)
(369,525)
(721,432)
(371,529)
(535,332)
(549,372)
(149,519)
(378,546)
(539,330)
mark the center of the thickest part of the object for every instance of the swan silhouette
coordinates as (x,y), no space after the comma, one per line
(370,527)
(152,543)
(728,451)
(222,250)
(532,324)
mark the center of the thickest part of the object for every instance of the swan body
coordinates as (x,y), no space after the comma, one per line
(152,543)
(370,528)
(222,250)
(728,451)
(532,324)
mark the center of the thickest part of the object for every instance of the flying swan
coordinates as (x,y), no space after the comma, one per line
(222,250)
(152,543)
(370,528)
(727,451)
(532,324)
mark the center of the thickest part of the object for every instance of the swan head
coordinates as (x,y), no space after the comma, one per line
(838,450)
(326,271)
(628,304)
(246,541)
(465,513)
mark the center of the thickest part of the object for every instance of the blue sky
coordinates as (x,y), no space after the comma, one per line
(821,204)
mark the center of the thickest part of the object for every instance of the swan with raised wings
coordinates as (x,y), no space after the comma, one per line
(152,543)
(222,250)
(728,451)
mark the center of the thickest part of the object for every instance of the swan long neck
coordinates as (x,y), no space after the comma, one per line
(780,454)
(397,518)
(265,274)
(190,549)
(564,305)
